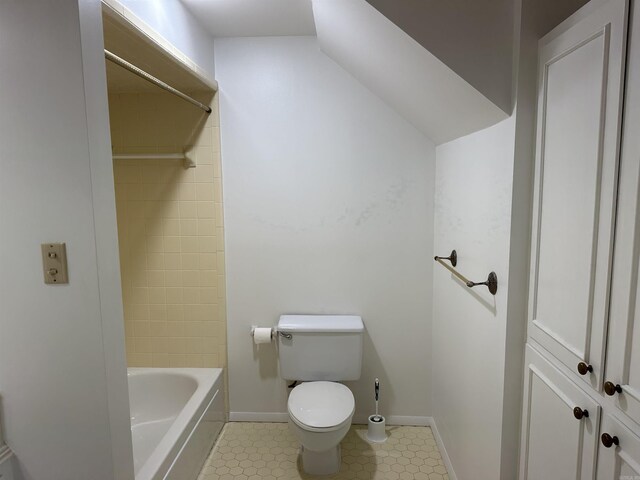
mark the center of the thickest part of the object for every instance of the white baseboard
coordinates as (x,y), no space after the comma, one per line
(412,421)
(357,419)
(5,453)
(258,417)
(443,450)
(9,465)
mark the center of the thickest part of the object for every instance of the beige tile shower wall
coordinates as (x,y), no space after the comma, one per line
(170,232)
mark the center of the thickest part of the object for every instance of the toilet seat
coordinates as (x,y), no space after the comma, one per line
(321,406)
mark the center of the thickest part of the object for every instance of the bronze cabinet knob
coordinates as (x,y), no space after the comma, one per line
(611,389)
(583,368)
(608,440)
(579,413)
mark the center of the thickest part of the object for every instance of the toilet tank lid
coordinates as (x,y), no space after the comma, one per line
(320,323)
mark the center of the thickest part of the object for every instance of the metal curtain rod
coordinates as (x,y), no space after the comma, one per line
(187,158)
(149,156)
(491,283)
(150,78)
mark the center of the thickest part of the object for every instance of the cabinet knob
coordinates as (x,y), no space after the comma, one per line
(608,440)
(611,389)
(579,413)
(583,368)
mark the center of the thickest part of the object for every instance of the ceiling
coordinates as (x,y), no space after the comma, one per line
(473,38)
(421,87)
(409,78)
(253,18)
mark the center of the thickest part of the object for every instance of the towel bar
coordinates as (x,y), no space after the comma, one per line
(491,282)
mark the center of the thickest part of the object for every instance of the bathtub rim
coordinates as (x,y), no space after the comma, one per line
(171,443)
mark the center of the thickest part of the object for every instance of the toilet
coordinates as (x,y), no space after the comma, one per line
(320,351)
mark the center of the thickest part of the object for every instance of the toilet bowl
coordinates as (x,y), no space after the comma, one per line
(320,415)
(320,350)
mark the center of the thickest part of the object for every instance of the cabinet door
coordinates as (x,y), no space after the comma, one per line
(623,348)
(622,461)
(579,106)
(557,442)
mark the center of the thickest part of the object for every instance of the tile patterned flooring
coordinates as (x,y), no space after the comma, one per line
(269,451)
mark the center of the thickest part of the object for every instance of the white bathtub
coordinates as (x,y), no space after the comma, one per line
(176,415)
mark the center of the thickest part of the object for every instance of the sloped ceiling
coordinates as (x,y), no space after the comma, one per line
(474,38)
(424,90)
(253,18)
(444,98)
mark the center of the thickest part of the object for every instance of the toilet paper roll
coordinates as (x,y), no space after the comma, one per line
(261,335)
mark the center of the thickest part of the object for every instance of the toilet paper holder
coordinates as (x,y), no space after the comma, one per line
(253,331)
(274,331)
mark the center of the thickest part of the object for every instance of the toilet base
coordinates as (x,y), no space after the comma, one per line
(321,463)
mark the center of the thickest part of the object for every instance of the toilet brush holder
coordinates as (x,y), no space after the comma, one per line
(376,432)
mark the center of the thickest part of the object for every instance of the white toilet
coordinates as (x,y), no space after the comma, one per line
(320,350)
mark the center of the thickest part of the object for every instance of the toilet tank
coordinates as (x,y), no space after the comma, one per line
(320,347)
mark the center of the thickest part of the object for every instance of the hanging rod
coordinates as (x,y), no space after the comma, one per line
(492,280)
(188,161)
(150,78)
(149,156)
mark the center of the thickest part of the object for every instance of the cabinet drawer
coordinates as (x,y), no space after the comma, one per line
(621,461)
(560,424)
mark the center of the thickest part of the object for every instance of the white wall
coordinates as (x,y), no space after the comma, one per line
(106,235)
(472,215)
(172,20)
(478,351)
(328,209)
(62,368)
(534,19)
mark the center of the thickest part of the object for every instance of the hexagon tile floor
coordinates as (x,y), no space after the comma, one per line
(269,451)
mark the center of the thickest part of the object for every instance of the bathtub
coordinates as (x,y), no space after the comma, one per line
(176,416)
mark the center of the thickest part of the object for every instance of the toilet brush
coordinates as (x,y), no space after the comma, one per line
(377,417)
(376,430)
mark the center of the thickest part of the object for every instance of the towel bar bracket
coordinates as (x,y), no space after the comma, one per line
(491,283)
(453,258)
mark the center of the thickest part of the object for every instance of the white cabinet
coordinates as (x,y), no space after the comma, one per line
(583,344)
(619,459)
(560,423)
(579,105)
(623,347)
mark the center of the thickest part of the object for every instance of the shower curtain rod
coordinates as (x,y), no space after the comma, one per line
(187,158)
(150,78)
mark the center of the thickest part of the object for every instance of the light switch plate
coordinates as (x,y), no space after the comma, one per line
(54,263)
